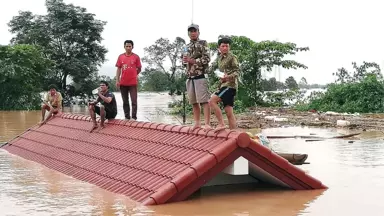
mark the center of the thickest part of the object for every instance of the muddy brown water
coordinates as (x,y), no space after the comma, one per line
(354,173)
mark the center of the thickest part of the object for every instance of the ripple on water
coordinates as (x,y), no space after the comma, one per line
(41,191)
(354,173)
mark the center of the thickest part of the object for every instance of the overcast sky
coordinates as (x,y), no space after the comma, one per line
(337,32)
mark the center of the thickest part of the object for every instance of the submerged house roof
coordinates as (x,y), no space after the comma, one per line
(149,162)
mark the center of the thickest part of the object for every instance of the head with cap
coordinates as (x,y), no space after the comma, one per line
(193,31)
(224,44)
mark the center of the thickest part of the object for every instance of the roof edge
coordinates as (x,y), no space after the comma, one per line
(207,176)
(190,174)
(296,175)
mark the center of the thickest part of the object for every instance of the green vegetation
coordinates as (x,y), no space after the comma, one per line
(22,69)
(361,91)
(65,45)
(253,57)
(70,38)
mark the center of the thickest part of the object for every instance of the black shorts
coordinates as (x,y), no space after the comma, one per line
(109,114)
(227,96)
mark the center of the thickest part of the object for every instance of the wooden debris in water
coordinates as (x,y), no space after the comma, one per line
(313,137)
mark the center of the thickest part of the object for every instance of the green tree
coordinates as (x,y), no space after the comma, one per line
(69,35)
(303,83)
(359,73)
(155,80)
(359,91)
(254,56)
(164,52)
(269,85)
(22,67)
(291,83)
(364,96)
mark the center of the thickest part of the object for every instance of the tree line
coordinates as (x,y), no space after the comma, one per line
(64,48)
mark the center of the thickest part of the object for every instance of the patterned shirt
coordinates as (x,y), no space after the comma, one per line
(199,51)
(229,65)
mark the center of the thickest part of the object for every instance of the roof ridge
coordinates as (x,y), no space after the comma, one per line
(159,126)
(130,138)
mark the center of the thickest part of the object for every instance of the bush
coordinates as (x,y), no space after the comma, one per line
(363,97)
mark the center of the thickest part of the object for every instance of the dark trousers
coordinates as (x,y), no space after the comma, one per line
(125,92)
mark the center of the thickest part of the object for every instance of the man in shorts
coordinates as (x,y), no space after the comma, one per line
(227,63)
(52,102)
(107,108)
(196,63)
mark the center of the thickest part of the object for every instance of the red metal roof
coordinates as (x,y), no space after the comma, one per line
(149,162)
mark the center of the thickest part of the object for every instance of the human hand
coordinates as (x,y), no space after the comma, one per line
(184,59)
(224,79)
(189,60)
(117,85)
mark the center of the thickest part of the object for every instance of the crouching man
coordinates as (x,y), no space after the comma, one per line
(52,103)
(107,108)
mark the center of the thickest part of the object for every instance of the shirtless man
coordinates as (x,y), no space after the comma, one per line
(52,102)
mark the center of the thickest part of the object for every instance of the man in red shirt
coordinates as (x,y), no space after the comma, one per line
(128,68)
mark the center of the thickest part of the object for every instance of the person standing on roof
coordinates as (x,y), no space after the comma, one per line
(107,108)
(229,65)
(128,68)
(196,59)
(52,102)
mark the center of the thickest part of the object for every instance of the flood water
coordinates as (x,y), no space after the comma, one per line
(354,173)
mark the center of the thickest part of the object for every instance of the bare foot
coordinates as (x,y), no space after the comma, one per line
(93,127)
(219,128)
(41,123)
(207,127)
(194,127)
(100,128)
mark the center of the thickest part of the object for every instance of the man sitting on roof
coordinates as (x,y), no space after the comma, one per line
(52,102)
(107,108)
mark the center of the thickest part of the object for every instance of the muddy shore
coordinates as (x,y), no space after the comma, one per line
(284,117)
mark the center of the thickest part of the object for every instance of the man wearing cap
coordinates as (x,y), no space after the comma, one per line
(52,102)
(196,62)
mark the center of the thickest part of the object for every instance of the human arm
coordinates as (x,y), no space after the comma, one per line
(118,72)
(107,98)
(235,71)
(205,56)
(213,67)
(46,99)
(59,101)
(138,65)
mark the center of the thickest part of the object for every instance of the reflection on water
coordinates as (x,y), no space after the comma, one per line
(354,173)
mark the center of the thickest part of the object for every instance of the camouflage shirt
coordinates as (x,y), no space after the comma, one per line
(199,51)
(229,65)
